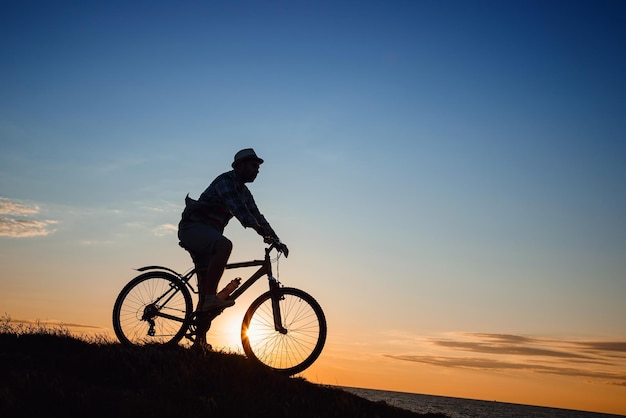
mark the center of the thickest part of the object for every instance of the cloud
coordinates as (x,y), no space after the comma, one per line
(508,348)
(165,229)
(492,364)
(598,360)
(15,226)
(8,207)
(617,346)
(20,228)
(49,322)
(21,326)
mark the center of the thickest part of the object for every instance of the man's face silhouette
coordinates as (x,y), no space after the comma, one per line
(248,170)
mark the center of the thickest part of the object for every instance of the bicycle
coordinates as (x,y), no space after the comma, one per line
(284,329)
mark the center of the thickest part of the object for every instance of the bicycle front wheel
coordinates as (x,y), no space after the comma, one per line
(301,335)
(153,308)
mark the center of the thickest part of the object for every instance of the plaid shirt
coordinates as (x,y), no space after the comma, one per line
(225,198)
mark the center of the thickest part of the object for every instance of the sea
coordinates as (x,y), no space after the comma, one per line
(468,408)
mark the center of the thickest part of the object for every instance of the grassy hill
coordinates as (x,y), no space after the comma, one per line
(52,373)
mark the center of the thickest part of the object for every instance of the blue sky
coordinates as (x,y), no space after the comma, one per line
(444,166)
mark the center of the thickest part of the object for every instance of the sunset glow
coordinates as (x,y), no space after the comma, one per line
(448,176)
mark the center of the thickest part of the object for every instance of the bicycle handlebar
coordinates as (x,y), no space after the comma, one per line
(275,244)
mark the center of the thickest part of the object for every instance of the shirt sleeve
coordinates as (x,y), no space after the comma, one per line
(254,210)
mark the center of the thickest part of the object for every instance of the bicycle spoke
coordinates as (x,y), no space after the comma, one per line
(152,309)
(289,352)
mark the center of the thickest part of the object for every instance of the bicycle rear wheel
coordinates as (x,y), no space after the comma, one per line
(153,308)
(300,342)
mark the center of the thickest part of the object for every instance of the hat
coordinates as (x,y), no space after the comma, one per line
(245,154)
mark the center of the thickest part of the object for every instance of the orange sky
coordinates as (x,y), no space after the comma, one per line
(449,176)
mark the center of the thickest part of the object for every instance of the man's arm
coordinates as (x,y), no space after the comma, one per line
(264,229)
(243,207)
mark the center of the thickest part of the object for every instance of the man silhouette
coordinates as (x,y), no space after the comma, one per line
(202,226)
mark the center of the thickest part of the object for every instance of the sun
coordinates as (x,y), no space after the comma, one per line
(225,332)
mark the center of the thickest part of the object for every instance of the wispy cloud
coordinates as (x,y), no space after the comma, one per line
(52,323)
(495,345)
(15,225)
(9,207)
(29,326)
(19,228)
(90,225)
(165,229)
(598,360)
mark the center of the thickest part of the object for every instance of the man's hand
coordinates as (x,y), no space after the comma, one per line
(283,249)
(279,245)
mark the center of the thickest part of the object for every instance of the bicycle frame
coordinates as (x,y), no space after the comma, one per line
(265,268)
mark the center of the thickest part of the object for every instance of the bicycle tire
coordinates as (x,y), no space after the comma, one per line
(136,319)
(294,351)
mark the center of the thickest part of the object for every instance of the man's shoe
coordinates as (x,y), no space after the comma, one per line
(214,303)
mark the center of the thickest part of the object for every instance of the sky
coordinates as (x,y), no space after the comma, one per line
(448,175)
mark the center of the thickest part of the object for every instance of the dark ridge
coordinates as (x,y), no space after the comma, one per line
(56,374)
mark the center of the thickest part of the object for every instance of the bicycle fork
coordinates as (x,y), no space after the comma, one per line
(276,298)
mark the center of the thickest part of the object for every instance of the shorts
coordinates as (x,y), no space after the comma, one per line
(198,239)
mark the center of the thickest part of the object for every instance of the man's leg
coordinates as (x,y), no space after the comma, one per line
(219,258)
(208,280)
